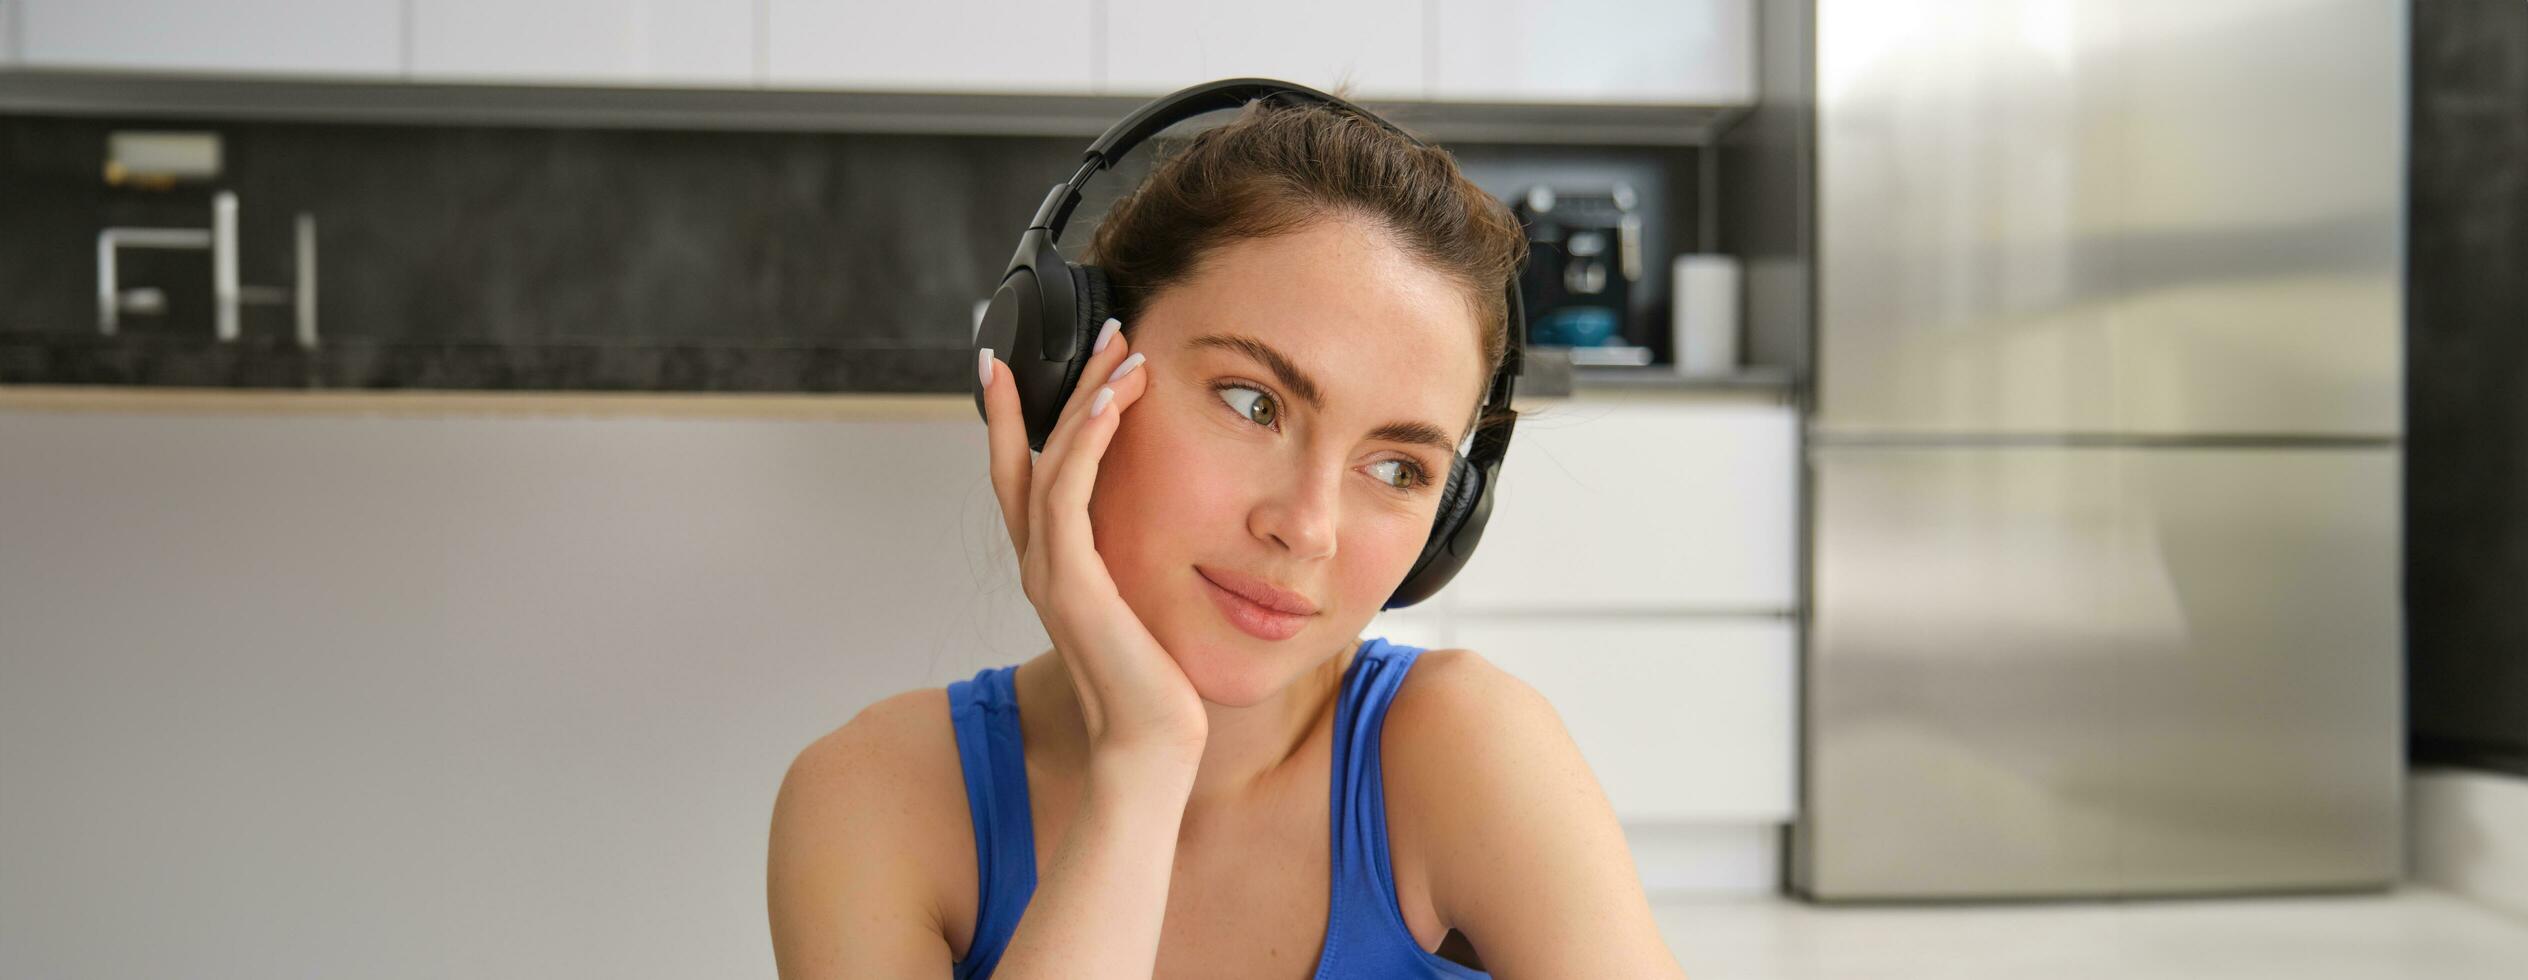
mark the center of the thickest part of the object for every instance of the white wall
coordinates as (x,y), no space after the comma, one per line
(477,697)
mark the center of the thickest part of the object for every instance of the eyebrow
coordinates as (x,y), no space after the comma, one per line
(1298,381)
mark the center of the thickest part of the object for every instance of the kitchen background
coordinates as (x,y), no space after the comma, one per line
(642,259)
(464,621)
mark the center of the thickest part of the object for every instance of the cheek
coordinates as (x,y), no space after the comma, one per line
(1169,494)
(1382,554)
(1166,496)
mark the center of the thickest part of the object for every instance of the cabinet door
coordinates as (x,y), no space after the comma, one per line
(1685,52)
(1681,720)
(1416,626)
(251,37)
(639,41)
(1028,46)
(1648,505)
(1158,46)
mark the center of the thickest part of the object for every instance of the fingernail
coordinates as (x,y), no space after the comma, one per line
(1106,334)
(1098,404)
(983,366)
(1126,367)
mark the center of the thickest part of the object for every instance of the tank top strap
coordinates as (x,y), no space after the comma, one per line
(984,711)
(1364,879)
(1366,935)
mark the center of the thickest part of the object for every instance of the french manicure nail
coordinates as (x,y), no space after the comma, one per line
(1106,334)
(1098,404)
(1126,367)
(983,366)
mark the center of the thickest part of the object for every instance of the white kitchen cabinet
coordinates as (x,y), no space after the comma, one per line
(1683,720)
(1020,46)
(708,42)
(356,38)
(1685,52)
(1425,625)
(1654,504)
(1157,46)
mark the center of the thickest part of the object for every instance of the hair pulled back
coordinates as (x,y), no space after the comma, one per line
(1274,168)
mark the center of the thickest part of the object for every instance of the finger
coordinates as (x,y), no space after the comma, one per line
(1090,377)
(1066,498)
(1093,374)
(1007,434)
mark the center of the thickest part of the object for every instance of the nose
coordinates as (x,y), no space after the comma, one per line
(1300,515)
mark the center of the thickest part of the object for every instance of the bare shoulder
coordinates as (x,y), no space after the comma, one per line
(1442,765)
(1455,693)
(870,829)
(1511,838)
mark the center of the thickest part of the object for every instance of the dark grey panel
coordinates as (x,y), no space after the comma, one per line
(2467,408)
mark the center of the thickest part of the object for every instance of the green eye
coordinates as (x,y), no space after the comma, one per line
(1413,474)
(1269,412)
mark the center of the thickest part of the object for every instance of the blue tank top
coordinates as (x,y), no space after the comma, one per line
(1365,934)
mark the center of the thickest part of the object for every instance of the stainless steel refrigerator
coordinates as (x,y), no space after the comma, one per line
(2103,463)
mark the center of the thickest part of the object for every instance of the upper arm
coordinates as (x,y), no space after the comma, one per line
(845,886)
(1527,859)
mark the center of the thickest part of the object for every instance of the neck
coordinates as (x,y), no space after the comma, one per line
(1246,747)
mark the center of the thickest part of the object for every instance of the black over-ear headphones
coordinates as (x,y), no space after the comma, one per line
(1048,309)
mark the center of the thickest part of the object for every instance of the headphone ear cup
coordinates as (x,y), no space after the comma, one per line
(1094,304)
(1458,500)
(1465,486)
(1089,305)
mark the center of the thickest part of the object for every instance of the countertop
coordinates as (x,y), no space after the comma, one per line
(840,382)
(849,406)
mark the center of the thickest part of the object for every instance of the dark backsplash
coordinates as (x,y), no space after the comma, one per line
(512,257)
(599,254)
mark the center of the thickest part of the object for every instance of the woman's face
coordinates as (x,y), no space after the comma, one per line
(1226,467)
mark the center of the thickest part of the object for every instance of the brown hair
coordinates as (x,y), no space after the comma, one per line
(1272,169)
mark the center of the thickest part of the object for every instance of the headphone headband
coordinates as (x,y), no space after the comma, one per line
(1168,110)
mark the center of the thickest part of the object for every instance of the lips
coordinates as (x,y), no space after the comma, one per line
(1259,591)
(1256,619)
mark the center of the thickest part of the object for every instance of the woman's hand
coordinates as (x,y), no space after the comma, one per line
(1137,702)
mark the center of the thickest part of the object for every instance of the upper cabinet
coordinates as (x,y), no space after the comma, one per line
(1682,52)
(1380,46)
(358,38)
(1606,52)
(1029,46)
(651,42)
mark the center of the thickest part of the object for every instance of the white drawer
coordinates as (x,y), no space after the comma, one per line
(1682,720)
(1634,505)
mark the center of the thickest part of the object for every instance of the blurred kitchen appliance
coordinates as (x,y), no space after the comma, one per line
(1584,261)
(228,295)
(2105,446)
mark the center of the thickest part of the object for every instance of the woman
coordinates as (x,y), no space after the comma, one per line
(1193,783)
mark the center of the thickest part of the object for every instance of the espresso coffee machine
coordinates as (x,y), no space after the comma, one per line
(1584,263)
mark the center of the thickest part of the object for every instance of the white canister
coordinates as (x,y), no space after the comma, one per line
(1705,294)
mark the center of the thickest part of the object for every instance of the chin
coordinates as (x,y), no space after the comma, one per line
(1234,670)
(1231,668)
(1228,666)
